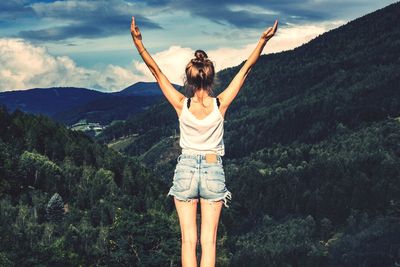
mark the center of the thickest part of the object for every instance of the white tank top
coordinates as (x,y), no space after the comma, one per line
(201,136)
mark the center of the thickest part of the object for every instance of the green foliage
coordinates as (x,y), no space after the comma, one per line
(367,242)
(39,157)
(55,208)
(149,239)
(39,172)
(288,243)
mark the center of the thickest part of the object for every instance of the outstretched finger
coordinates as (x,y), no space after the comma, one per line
(275,25)
(133,20)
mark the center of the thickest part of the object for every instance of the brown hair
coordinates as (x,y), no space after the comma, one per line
(199,74)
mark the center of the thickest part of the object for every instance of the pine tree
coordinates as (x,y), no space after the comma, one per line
(55,208)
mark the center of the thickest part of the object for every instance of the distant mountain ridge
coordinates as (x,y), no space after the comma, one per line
(142,89)
(70,104)
(48,101)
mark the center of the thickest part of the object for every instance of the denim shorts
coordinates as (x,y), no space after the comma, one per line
(195,178)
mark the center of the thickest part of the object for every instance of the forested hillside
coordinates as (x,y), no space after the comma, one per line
(312,161)
(67,201)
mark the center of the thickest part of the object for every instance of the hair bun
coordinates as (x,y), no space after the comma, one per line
(200,55)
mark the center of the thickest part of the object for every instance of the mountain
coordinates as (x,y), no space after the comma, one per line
(69,104)
(142,89)
(48,101)
(107,109)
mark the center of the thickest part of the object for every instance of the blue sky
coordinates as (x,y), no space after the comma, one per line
(88,43)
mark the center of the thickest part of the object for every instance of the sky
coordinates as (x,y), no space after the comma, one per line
(88,44)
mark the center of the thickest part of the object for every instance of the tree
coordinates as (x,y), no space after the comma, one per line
(55,208)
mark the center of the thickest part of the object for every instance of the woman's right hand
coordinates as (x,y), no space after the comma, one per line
(135,32)
(270,32)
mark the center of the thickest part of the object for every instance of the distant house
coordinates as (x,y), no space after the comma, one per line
(91,128)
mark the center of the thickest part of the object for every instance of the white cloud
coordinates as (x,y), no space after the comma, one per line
(292,36)
(173,60)
(286,38)
(251,8)
(172,63)
(24,66)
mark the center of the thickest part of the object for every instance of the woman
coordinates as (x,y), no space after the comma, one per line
(199,172)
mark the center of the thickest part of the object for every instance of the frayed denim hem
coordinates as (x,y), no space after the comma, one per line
(181,199)
(227,196)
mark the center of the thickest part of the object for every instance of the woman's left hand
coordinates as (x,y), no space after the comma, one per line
(135,32)
(270,32)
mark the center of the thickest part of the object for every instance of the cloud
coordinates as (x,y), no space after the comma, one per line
(254,13)
(24,66)
(235,13)
(172,63)
(13,9)
(90,19)
(173,60)
(64,32)
(294,35)
(87,19)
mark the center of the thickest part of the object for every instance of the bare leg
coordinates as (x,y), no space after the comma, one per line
(210,213)
(187,212)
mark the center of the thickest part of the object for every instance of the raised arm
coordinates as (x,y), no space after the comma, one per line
(173,95)
(227,96)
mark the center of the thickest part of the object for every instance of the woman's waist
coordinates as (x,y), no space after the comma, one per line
(207,157)
(195,151)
